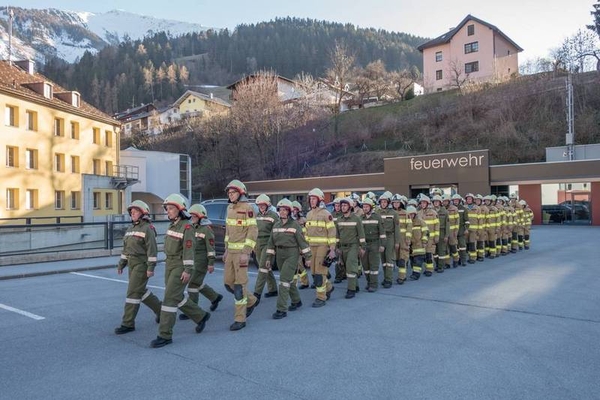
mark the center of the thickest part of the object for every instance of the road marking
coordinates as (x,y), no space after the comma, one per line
(25,313)
(112,279)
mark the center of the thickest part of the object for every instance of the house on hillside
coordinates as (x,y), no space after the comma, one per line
(290,91)
(200,105)
(143,118)
(474,50)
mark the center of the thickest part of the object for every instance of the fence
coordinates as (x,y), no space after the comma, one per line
(40,238)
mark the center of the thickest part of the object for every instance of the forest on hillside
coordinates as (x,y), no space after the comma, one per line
(157,68)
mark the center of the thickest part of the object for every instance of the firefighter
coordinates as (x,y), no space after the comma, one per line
(179,249)
(505,216)
(139,253)
(241,232)
(510,224)
(204,259)
(321,236)
(286,243)
(430,217)
(527,220)
(442,255)
(472,234)
(517,223)
(405,228)
(418,241)
(356,204)
(375,245)
(482,232)
(463,228)
(500,222)
(453,218)
(265,220)
(302,273)
(340,270)
(351,244)
(491,226)
(391,225)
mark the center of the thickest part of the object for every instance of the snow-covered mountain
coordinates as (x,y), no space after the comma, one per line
(50,32)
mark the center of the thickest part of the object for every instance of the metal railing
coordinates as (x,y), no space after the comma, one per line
(17,239)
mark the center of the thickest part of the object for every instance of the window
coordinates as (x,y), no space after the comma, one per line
(183,175)
(74,130)
(96,168)
(12,156)
(108,200)
(96,200)
(59,127)
(59,200)
(108,135)
(471,47)
(31,159)
(47,90)
(31,120)
(11,115)
(470,30)
(438,56)
(75,164)
(12,199)
(75,200)
(75,100)
(96,132)
(31,199)
(508,52)
(59,162)
(108,165)
(471,67)
(438,75)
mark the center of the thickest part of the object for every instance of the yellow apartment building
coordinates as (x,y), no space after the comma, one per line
(195,104)
(60,154)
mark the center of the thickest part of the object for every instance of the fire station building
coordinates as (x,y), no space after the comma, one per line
(558,191)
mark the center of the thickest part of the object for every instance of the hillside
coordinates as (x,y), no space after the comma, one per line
(516,121)
(132,71)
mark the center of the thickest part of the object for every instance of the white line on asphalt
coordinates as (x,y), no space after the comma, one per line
(113,280)
(25,313)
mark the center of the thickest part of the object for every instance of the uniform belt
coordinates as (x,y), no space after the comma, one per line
(286,247)
(175,257)
(349,245)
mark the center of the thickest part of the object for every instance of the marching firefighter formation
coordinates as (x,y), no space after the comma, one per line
(407,237)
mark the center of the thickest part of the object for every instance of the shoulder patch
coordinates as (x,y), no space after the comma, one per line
(188,226)
(330,217)
(188,244)
(212,242)
(250,214)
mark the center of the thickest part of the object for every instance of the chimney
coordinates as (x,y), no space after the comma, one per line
(26,65)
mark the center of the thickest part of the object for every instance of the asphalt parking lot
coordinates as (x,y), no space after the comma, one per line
(525,326)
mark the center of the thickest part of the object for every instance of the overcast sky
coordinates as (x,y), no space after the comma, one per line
(535,25)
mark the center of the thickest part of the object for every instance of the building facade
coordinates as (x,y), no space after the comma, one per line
(60,153)
(160,174)
(474,50)
(561,192)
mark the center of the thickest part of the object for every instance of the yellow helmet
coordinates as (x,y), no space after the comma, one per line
(237,185)
(369,202)
(285,203)
(318,193)
(177,200)
(140,205)
(263,199)
(198,210)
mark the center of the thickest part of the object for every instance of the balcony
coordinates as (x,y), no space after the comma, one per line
(124,176)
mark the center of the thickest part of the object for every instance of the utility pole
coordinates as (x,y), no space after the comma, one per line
(570,137)
(11,16)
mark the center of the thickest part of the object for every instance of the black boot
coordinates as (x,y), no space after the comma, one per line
(183,317)
(160,342)
(124,329)
(271,294)
(202,323)
(328,294)
(236,326)
(279,314)
(350,294)
(257,298)
(215,304)
(318,303)
(295,306)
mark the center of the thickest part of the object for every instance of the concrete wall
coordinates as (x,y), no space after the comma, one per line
(582,152)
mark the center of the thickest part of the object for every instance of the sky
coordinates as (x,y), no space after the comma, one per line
(535,25)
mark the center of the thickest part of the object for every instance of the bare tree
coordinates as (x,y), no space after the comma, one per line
(401,81)
(457,76)
(342,61)
(376,72)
